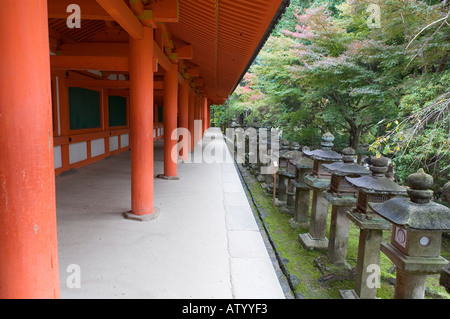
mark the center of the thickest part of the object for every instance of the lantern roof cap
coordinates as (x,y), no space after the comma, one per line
(324,153)
(417,211)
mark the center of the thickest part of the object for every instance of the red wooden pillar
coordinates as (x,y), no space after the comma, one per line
(191,118)
(28,241)
(197,117)
(205,114)
(170,110)
(208,116)
(141,127)
(184,117)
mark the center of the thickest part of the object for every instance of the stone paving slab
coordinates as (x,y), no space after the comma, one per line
(205,244)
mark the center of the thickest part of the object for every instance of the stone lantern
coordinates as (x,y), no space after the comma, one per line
(252,141)
(234,123)
(286,172)
(318,180)
(283,161)
(374,188)
(415,244)
(444,280)
(342,197)
(262,153)
(272,156)
(286,191)
(303,166)
(291,169)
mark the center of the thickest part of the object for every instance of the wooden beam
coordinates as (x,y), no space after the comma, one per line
(180,79)
(185,52)
(165,10)
(94,49)
(98,83)
(136,6)
(193,72)
(81,52)
(113,84)
(163,60)
(102,63)
(123,15)
(90,10)
(146,18)
(198,82)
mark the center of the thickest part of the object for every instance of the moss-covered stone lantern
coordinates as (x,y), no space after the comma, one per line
(415,245)
(374,188)
(318,180)
(286,172)
(342,197)
(303,165)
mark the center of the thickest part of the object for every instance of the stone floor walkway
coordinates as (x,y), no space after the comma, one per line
(205,244)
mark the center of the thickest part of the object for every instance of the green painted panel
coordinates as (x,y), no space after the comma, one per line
(84,108)
(160,114)
(117,110)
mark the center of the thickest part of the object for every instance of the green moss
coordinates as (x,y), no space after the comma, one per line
(313,283)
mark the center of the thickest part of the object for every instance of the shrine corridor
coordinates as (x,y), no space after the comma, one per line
(205,243)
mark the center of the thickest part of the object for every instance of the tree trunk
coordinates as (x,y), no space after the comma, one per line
(355,134)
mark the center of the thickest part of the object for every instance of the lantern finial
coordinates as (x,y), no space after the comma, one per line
(419,187)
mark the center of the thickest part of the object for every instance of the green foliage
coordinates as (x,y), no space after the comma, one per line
(325,69)
(419,138)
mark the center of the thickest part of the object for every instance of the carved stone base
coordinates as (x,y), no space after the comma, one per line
(310,243)
(142,218)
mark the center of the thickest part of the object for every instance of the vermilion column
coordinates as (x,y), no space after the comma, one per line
(205,114)
(208,116)
(184,117)
(197,117)
(170,110)
(28,241)
(141,127)
(191,118)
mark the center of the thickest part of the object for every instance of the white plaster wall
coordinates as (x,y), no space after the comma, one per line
(57,156)
(97,147)
(124,140)
(113,143)
(77,152)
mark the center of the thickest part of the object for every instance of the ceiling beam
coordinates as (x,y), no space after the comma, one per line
(76,55)
(123,15)
(91,10)
(163,60)
(102,63)
(98,83)
(113,84)
(165,10)
(95,49)
(193,72)
(185,52)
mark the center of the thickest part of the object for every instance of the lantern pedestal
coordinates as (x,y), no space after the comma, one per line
(316,238)
(444,279)
(411,272)
(283,178)
(303,166)
(370,238)
(301,205)
(339,227)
